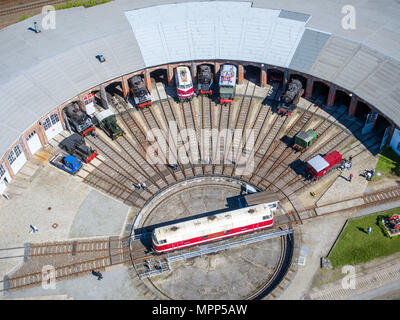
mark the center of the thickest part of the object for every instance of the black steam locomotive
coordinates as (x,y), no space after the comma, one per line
(78,119)
(205,79)
(289,100)
(139,92)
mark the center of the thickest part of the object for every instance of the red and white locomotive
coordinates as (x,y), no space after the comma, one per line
(222,225)
(184,84)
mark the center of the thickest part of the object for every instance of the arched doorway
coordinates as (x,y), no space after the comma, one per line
(342,99)
(252,74)
(159,75)
(320,92)
(362,111)
(275,76)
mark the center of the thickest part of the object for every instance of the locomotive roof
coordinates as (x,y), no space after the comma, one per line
(104,114)
(57,65)
(212,224)
(136,79)
(318,163)
(266,197)
(183,74)
(228,75)
(305,136)
(73,139)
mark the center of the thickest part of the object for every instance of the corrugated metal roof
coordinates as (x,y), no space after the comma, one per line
(215,30)
(308,50)
(41,71)
(294,15)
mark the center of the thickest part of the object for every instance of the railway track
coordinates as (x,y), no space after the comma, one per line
(123,162)
(88,255)
(125,255)
(9,7)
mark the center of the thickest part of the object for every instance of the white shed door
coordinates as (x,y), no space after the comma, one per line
(52,126)
(4,178)
(33,142)
(16,159)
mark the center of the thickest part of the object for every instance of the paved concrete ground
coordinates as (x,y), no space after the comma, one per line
(115,285)
(99,215)
(345,189)
(318,236)
(50,188)
(43,195)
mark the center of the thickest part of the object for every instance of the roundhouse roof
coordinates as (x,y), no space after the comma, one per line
(41,71)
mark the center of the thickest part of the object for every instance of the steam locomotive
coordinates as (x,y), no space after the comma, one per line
(291,97)
(205,80)
(78,119)
(139,92)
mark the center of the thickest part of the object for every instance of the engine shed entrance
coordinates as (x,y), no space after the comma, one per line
(252,74)
(159,75)
(342,99)
(320,92)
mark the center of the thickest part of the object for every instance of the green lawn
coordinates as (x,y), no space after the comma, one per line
(79,3)
(356,246)
(388,164)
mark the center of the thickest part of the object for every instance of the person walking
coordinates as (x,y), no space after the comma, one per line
(369,230)
(350,177)
(372,173)
(369,175)
(144,186)
(97,274)
(33,229)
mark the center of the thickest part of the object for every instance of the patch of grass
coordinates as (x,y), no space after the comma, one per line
(388,164)
(24,17)
(355,246)
(81,3)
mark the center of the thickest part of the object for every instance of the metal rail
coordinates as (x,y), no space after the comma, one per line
(203,250)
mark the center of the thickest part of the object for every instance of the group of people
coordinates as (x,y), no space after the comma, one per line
(347,166)
(139,186)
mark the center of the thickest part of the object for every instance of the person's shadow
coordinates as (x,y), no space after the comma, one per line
(362,230)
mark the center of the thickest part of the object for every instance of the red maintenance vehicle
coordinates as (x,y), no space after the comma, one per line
(318,166)
(184,84)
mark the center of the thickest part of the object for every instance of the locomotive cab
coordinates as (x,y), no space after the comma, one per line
(227,83)
(184,84)
(290,98)
(139,92)
(205,80)
(303,140)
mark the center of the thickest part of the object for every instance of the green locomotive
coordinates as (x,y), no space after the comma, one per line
(303,140)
